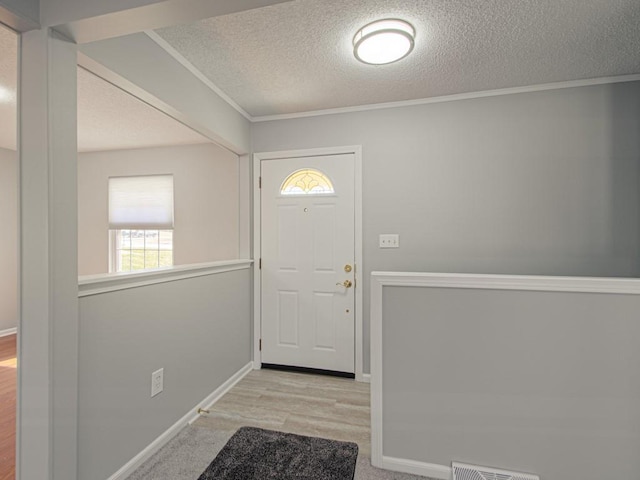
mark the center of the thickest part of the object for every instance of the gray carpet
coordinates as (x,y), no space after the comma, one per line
(188,454)
(258,454)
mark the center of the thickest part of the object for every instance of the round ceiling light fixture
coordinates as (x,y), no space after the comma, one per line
(384,41)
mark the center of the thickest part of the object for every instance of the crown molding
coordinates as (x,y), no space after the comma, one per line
(379,106)
(453,98)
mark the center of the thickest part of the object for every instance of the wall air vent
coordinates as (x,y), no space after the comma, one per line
(462,471)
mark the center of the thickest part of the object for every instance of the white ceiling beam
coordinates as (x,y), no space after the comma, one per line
(140,66)
(48,373)
(86,21)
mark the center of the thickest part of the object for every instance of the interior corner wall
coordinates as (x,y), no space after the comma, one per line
(541,183)
(206,201)
(9,251)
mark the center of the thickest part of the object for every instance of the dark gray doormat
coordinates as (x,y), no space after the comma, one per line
(257,454)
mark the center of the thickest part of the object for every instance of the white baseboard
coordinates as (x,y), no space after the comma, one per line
(430,470)
(366,378)
(8,331)
(221,390)
(188,419)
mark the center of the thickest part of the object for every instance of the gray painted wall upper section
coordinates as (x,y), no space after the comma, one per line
(540,382)
(141,61)
(197,329)
(537,183)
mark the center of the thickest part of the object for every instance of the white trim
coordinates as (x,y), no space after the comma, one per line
(9,331)
(128,468)
(166,46)
(452,98)
(219,392)
(257,292)
(110,282)
(430,470)
(379,280)
(359,268)
(366,378)
(356,150)
(626,286)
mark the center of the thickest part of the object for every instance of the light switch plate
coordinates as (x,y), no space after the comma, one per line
(157,382)
(389,240)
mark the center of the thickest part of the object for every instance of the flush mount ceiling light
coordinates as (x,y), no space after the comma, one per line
(384,41)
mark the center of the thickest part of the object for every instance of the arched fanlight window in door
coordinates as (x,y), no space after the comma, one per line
(306,182)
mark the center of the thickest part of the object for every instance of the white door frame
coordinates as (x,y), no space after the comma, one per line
(356,150)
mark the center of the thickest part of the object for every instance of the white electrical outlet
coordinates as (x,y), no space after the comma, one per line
(157,382)
(390,240)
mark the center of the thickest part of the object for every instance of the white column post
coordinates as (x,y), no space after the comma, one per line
(48,350)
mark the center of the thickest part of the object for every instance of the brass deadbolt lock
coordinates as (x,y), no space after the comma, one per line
(348,268)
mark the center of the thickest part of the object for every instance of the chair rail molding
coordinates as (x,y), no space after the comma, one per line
(110,282)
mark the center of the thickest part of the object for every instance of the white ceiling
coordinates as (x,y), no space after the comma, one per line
(297,56)
(108,118)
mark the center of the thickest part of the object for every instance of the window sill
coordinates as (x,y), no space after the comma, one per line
(110,282)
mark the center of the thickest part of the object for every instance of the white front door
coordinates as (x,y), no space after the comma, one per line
(308,276)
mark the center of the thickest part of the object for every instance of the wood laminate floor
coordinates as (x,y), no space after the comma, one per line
(314,405)
(304,404)
(8,377)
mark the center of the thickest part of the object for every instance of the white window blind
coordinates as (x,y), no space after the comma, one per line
(141,203)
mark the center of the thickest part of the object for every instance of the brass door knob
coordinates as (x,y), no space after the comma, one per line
(345,284)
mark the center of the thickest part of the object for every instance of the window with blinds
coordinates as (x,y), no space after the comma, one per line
(141,222)
(142,203)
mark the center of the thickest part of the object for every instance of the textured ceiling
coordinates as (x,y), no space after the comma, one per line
(108,118)
(297,56)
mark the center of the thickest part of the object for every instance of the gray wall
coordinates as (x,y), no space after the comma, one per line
(206,201)
(196,329)
(540,382)
(9,250)
(537,183)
